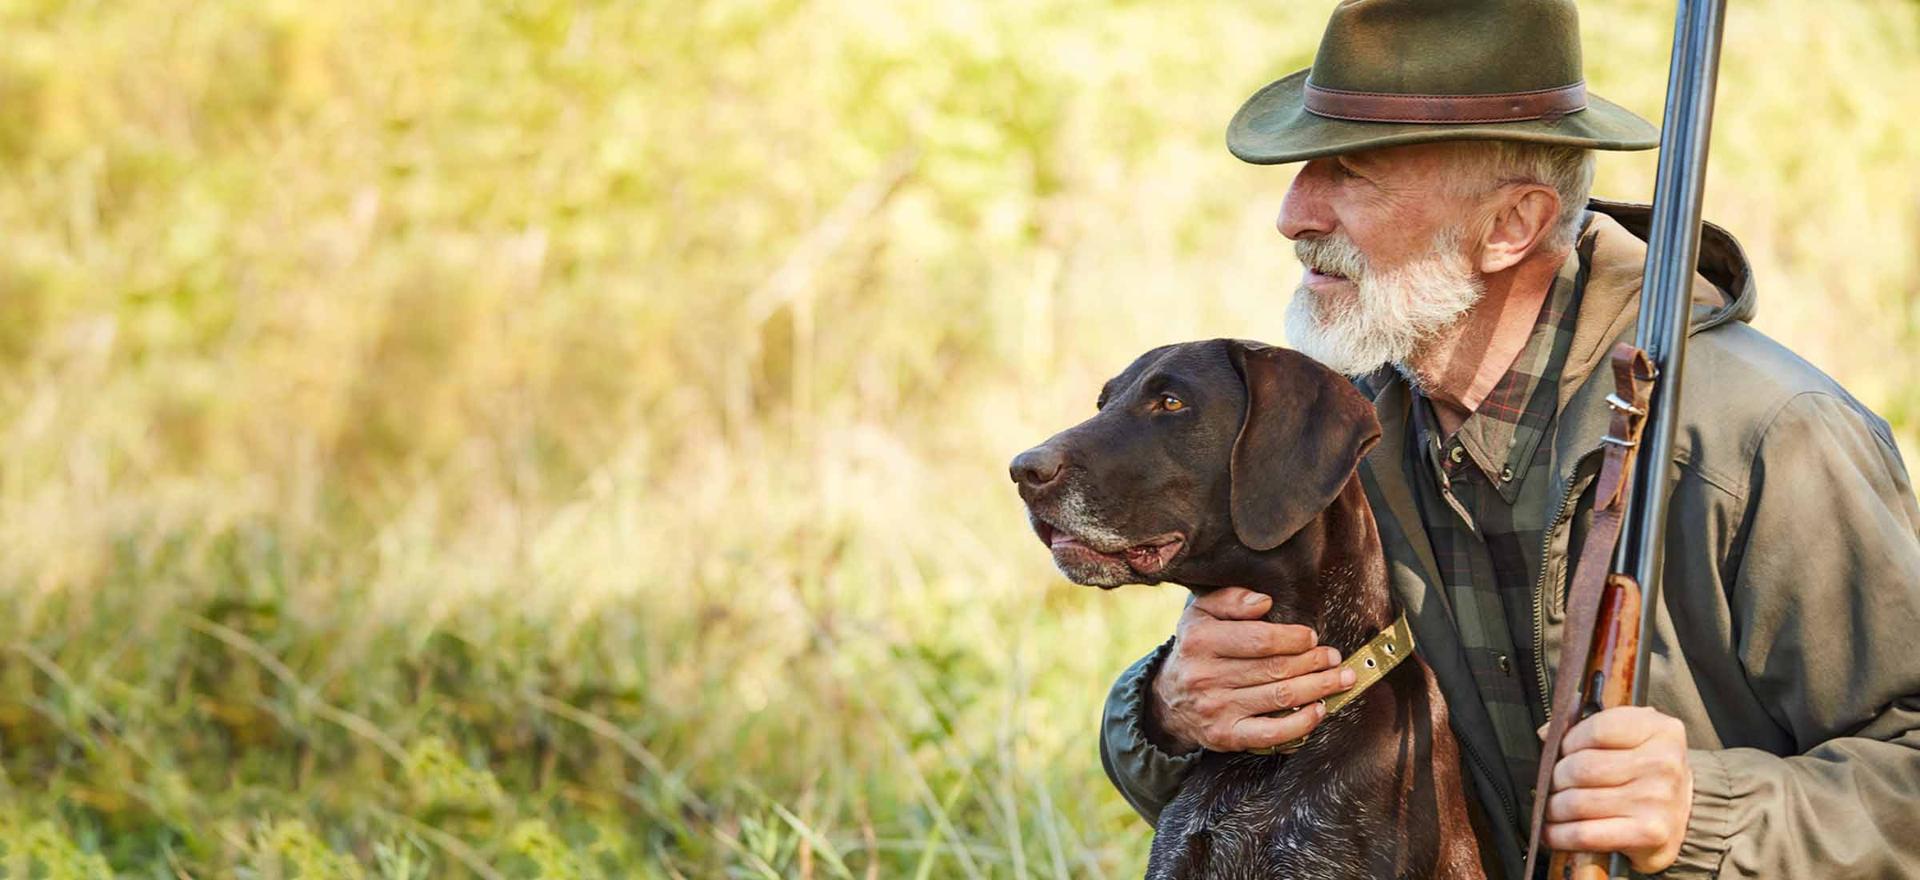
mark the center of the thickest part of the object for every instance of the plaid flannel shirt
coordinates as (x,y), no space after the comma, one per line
(1484,500)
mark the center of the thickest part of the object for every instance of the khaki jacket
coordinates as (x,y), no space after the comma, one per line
(1792,591)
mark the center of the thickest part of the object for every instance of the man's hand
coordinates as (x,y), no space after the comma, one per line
(1229,668)
(1622,785)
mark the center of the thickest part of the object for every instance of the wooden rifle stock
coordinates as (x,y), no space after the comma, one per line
(1605,683)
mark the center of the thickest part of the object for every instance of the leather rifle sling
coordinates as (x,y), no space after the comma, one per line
(1633,376)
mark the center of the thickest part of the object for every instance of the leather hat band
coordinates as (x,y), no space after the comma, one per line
(1507,107)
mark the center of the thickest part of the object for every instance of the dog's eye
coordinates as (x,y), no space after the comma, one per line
(1171,403)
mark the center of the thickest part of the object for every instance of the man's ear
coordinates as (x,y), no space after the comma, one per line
(1523,222)
(1306,430)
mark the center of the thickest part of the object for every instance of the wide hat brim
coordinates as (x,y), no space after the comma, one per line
(1275,126)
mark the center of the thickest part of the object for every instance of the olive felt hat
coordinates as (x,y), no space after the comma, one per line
(1393,72)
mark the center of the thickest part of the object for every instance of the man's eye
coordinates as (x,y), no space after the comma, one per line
(1171,403)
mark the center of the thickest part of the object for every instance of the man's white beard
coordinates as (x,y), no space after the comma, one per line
(1393,313)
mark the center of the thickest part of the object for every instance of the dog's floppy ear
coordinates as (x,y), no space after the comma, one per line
(1305,432)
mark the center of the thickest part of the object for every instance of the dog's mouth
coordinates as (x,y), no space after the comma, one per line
(1148,558)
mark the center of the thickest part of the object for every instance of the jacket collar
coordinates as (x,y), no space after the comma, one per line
(1723,292)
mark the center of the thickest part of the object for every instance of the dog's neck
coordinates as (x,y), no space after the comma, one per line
(1330,576)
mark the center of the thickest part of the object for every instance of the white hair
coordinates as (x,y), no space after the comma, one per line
(1568,170)
(1392,312)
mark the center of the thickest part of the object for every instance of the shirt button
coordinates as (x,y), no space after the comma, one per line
(1506,475)
(1456,453)
(1505,664)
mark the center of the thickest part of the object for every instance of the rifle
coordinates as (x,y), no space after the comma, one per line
(1628,523)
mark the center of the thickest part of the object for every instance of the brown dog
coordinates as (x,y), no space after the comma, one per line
(1224,463)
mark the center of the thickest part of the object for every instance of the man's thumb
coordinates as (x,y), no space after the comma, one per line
(1234,603)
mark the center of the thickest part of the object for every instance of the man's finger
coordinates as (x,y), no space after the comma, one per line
(1259,732)
(1615,834)
(1621,727)
(1253,639)
(1258,671)
(1234,603)
(1603,768)
(1292,692)
(1236,673)
(1591,803)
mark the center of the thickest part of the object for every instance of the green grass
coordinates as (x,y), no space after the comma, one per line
(536,439)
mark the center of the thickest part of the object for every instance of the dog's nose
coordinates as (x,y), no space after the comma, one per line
(1038,466)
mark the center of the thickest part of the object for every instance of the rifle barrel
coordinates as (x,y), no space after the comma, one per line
(1673,255)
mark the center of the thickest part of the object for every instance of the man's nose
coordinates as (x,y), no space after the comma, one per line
(1304,213)
(1036,467)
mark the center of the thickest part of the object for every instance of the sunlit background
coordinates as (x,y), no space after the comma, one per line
(541,439)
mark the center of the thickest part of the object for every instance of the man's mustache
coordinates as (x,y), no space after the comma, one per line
(1332,255)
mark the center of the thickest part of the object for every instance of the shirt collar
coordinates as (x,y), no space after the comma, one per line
(1501,435)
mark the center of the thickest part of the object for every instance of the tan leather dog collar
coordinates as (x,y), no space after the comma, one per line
(1371,663)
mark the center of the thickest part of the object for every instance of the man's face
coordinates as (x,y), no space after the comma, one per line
(1384,242)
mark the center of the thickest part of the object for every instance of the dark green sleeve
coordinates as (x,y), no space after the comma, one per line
(1146,776)
(1826,609)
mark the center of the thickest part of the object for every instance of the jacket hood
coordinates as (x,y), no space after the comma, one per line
(1723,288)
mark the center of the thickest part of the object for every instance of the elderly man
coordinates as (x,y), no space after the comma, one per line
(1456,268)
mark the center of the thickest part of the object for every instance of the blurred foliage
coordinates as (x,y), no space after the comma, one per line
(539,439)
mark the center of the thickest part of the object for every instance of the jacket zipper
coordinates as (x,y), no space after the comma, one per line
(1540,587)
(1506,803)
